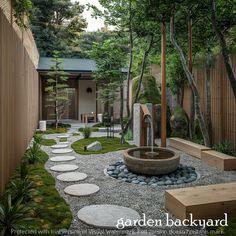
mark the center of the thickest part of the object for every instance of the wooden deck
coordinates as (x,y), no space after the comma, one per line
(204,202)
(219,160)
(188,147)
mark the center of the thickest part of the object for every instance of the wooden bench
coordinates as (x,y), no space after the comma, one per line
(219,160)
(188,147)
(204,202)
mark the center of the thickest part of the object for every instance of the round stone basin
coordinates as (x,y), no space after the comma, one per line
(143,161)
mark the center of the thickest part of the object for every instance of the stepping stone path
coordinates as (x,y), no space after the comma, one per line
(106,216)
(63,136)
(62,151)
(72,176)
(64,168)
(81,189)
(62,158)
(59,146)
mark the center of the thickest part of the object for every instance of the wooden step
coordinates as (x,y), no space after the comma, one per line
(188,147)
(204,202)
(219,160)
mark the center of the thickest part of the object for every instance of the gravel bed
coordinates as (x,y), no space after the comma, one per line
(144,199)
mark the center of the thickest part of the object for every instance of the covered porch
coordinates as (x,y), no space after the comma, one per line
(83,106)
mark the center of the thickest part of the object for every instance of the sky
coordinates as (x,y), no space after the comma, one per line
(93,24)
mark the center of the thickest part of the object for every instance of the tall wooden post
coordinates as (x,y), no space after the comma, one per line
(190,67)
(163,84)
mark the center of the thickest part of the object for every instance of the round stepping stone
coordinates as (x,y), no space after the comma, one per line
(62,151)
(58,146)
(72,176)
(81,189)
(62,158)
(64,168)
(106,216)
(63,143)
(63,136)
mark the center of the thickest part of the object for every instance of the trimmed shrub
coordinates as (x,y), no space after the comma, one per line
(87,131)
(179,123)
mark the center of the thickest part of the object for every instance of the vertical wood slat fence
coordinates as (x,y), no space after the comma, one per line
(18,97)
(223,101)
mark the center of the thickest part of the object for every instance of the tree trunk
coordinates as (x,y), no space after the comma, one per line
(190,67)
(208,97)
(192,85)
(139,83)
(224,48)
(130,59)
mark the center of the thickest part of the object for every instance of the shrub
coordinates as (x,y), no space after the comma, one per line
(179,123)
(87,131)
(12,215)
(33,154)
(60,125)
(38,138)
(225,147)
(93,129)
(21,189)
(129,135)
(24,170)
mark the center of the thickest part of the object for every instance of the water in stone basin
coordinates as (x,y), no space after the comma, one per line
(149,154)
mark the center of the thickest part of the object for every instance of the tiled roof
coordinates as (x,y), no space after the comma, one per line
(69,64)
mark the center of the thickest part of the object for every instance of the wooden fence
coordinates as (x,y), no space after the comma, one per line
(223,101)
(18,96)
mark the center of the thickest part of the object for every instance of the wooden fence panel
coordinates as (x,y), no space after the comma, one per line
(223,101)
(18,98)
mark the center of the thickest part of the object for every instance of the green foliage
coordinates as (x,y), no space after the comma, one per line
(110,59)
(21,189)
(46,208)
(38,138)
(22,9)
(176,78)
(53,131)
(76,134)
(24,170)
(60,125)
(93,129)
(129,135)
(108,145)
(150,92)
(13,215)
(48,142)
(58,94)
(56,26)
(225,147)
(63,139)
(179,123)
(33,154)
(87,131)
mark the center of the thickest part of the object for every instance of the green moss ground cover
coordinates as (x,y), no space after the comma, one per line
(108,145)
(63,139)
(48,210)
(48,142)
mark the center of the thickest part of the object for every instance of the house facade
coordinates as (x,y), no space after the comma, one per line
(82,90)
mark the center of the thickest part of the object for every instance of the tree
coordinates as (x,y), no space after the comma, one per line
(192,84)
(110,59)
(227,11)
(56,25)
(56,88)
